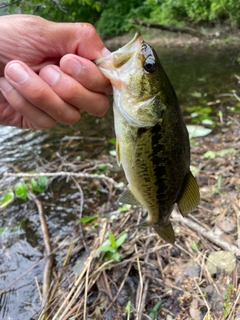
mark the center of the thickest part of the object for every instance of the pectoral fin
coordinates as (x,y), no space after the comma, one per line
(128,197)
(165,232)
(190,196)
(118,153)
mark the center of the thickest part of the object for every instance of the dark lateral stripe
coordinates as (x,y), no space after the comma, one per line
(159,161)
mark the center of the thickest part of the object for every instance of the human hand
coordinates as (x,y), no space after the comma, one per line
(46,73)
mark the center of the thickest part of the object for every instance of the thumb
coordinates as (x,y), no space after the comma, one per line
(77,38)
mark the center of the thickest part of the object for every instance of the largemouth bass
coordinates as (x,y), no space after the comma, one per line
(152,138)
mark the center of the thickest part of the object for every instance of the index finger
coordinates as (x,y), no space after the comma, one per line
(86,73)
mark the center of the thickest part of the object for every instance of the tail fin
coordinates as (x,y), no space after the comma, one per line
(165,232)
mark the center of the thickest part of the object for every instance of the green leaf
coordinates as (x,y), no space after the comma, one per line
(210,154)
(208,122)
(102,167)
(223,260)
(125,208)
(88,219)
(106,249)
(153,314)
(196,94)
(43,181)
(128,307)
(197,131)
(7,199)
(221,153)
(116,256)
(112,153)
(34,185)
(112,240)
(112,141)
(21,190)
(195,170)
(224,152)
(194,245)
(39,185)
(108,256)
(121,239)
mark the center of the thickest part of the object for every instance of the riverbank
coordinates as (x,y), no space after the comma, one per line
(215,37)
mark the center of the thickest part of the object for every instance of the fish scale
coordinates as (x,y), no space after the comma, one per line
(152,139)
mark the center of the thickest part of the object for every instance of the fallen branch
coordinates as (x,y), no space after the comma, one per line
(205,233)
(47,274)
(64,174)
(191,31)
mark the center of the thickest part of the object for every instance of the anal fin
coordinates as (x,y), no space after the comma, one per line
(165,232)
(128,197)
(190,196)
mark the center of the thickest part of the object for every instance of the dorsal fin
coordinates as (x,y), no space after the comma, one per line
(128,197)
(190,196)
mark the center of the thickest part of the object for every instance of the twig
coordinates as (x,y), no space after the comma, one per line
(120,288)
(80,211)
(86,292)
(202,295)
(47,274)
(145,281)
(140,286)
(205,233)
(77,286)
(64,174)
(38,288)
(145,292)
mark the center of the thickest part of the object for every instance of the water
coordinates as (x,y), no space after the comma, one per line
(207,72)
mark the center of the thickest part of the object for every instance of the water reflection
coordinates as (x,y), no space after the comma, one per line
(209,71)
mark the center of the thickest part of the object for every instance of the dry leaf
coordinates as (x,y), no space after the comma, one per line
(224,260)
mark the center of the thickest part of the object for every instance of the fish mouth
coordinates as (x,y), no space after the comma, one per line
(128,46)
(118,58)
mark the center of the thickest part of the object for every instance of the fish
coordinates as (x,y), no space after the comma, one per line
(152,141)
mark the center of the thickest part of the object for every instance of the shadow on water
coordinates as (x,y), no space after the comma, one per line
(206,71)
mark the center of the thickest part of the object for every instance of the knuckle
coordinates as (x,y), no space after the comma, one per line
(39,94)
(91,30)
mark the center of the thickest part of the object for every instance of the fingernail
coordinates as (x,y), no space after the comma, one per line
(105,52)
(17,73)
(74,67)
(5,86)
(51,76)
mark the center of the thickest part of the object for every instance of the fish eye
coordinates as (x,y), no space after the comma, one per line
(150,65)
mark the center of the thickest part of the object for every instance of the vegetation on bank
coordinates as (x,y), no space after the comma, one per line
(112,17)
